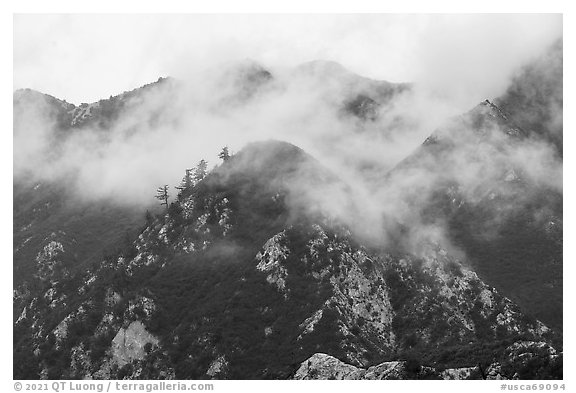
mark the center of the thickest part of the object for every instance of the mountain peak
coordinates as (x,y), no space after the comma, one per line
(273,159)
(323,68)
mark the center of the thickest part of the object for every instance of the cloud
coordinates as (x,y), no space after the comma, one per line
(472,57)
(455,61)
(83,58)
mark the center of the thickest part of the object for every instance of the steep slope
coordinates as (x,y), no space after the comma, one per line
(47,215)
(56,231)
(498,192)
(240,279)
(534,100)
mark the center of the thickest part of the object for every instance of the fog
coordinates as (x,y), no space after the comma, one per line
(219,98)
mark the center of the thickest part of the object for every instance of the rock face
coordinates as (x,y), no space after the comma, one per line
(460,373)
(322,366)
(217,367)
(270,261)
(130,343)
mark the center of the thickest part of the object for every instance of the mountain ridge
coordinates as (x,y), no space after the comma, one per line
(284,258)
(247,274)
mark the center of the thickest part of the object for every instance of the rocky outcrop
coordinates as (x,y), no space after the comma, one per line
(129,344)
(322,366)
(270,261)
(461,373)
(48,261)
(512,365)
(217,367)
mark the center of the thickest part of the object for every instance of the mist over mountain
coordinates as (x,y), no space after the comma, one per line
(358,229)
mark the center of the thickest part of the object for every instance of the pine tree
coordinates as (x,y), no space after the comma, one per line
(187,182)
(149,218)
(162,195)
(224,154)
(200,171)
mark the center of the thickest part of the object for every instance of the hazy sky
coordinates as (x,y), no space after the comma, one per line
(82,58)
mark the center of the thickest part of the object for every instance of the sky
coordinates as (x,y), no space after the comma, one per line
(86,57)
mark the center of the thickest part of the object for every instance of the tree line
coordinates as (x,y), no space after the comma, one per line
(192,177)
